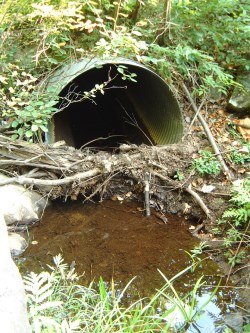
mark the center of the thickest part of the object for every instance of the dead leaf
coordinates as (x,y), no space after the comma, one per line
(207,188)
(241,170)
(244,132)
(243,127)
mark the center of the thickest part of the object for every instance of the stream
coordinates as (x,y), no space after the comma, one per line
(114,240)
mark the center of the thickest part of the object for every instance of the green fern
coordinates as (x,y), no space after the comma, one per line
(235,218)
(45,292)
(237,215)
(239,212)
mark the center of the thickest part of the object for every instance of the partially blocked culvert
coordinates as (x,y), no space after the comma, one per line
(144,111)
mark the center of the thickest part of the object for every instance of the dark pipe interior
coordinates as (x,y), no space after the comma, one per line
(106,120)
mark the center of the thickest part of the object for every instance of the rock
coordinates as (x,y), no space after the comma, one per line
(240,99)
(214,94)
(17,244)
(234,321)
(13,311)
(19,205)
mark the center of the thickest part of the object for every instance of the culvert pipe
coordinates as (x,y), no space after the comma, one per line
(144,111)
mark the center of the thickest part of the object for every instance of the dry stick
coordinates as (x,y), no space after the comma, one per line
(100,138)
(146,194)
(238,249)
(27,175)
(35,165)
(194,118)
(101,185)
(209,135)
(55,182)
(199,200)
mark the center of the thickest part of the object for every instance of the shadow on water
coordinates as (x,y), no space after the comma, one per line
(114,240)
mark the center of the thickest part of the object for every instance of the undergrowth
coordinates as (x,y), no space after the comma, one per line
(195,43)
(206,163)
(56,303)
(235,223)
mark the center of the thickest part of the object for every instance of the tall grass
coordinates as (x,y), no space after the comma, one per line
(57,303)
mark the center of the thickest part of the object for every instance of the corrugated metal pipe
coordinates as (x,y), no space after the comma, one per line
(144,111)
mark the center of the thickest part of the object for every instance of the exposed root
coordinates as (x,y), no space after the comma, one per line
(146,194)
(61,171)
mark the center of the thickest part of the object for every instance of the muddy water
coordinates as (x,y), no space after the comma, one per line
(115,240)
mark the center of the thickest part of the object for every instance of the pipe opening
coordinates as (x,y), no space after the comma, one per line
(127,112)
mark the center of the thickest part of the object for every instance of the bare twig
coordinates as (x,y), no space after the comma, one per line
(146,194)
(133,122)
(209,135)
(100,138)
(74,94)
(194,118)
(199,200)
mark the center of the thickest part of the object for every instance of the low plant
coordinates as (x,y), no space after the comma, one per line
(195,254)
(239,211)
(56,303)
(236,220)
(25,111)
(206,164)
(240,156)
(179,175)
(26,107)
(182,312)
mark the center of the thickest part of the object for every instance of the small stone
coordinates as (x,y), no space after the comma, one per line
(17,244)
(234,321)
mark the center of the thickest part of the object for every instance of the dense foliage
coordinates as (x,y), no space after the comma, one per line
(203,42)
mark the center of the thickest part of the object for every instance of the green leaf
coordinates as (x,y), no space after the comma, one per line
(246,328)
(20,131)
(120,70)
(28,134)
(34,128)
(53,61)
(14,123)
(43,128)
(14,136)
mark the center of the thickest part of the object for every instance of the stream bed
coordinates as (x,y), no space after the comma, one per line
(116,241)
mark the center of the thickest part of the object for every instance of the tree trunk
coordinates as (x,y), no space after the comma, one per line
(160,34)
(134,14)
